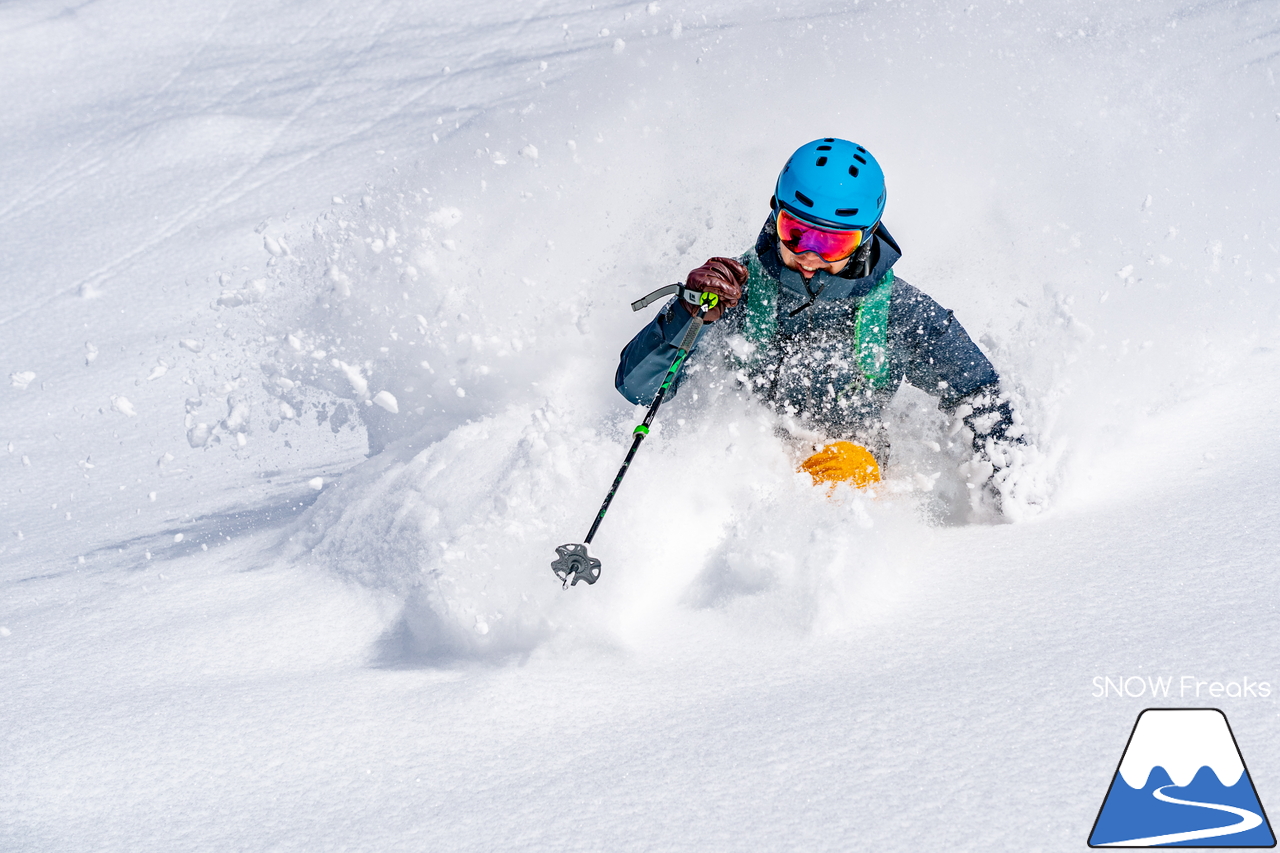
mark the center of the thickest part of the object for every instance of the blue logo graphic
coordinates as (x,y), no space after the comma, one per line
(1182,783)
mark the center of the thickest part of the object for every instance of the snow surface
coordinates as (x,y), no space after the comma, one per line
(310,316)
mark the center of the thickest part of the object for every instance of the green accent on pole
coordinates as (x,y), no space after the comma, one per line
(675,368)
(709,299)
(641,429)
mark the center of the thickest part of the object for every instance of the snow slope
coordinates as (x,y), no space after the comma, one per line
(245,246)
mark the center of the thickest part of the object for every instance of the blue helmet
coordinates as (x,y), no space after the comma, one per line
(835,183)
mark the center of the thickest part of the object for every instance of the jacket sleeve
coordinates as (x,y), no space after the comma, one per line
(645,361)
(937,353)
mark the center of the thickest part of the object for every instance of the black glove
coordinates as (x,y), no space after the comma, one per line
(724,277)
(999,446)
(991,418)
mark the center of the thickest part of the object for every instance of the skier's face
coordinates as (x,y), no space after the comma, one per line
(808,263)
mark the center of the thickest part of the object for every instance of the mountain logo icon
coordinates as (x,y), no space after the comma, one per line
(1181,783)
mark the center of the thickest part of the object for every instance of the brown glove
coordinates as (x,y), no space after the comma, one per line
(722,276)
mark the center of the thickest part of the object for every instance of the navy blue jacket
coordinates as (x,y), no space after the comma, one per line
(807,367)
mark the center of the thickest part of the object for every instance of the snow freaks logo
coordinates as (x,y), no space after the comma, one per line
(1181,782)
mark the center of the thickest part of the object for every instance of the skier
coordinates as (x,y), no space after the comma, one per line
(815,322)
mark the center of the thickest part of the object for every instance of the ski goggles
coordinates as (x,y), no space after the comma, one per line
(830,245)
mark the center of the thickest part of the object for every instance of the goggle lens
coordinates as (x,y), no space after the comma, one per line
(800,236)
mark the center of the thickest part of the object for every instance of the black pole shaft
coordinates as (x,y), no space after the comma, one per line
(643,429)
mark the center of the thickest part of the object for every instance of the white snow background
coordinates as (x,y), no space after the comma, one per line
(244,245)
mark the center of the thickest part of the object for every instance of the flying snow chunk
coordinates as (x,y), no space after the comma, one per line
(316,483)
(276,248)
(445,217)
(198,435)
(237,419)
(123,406)
(90,353)
(191,345)
(387,400)
(619,45)
(355,378)
(252,292)
(529,152)
(21,379)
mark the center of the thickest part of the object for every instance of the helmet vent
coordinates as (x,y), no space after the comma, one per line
(847,211)
(860,148)
(822,161)
(853,170)
(803,199)
(824,147)
(859,159)
(828,139)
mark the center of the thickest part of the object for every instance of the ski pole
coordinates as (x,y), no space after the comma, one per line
(573,561)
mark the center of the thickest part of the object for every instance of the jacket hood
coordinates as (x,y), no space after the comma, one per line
(843,285)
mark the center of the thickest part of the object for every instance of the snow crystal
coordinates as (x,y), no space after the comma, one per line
(387,400)
(21,379)
(191,344)
(123,406)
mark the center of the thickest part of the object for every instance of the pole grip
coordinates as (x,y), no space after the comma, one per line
(691,334)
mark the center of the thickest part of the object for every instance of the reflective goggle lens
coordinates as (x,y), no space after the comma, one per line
(800,236)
